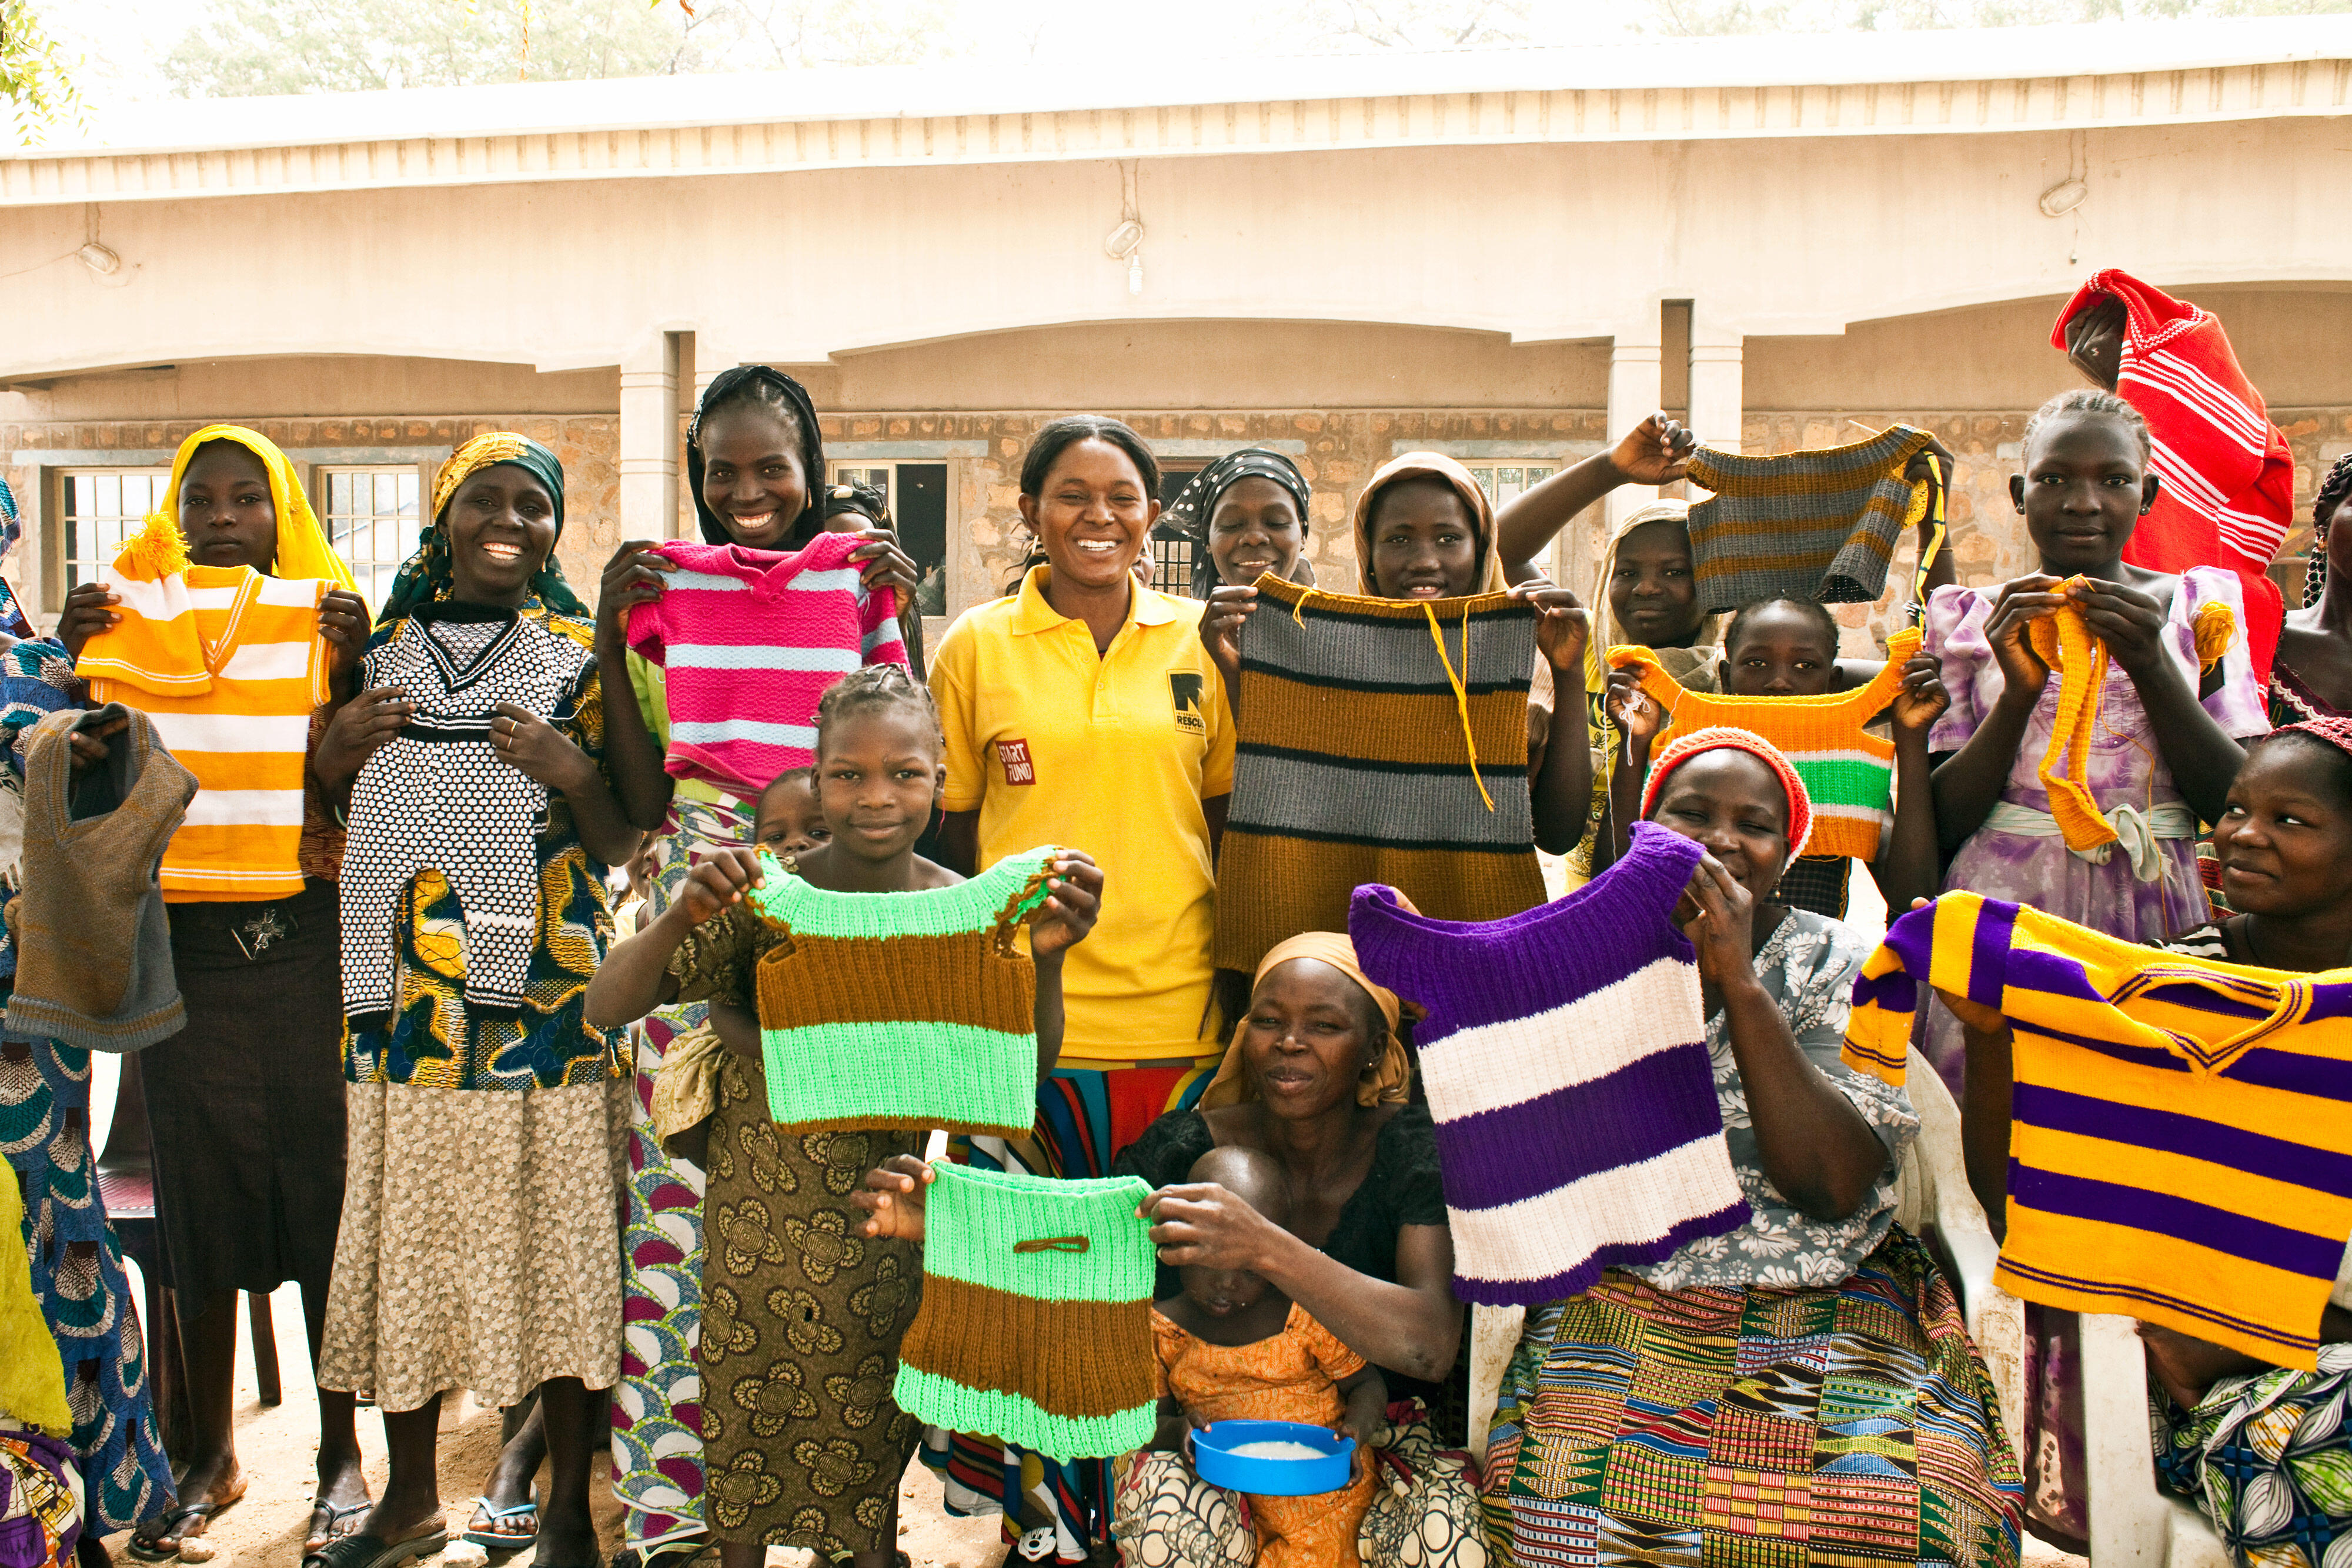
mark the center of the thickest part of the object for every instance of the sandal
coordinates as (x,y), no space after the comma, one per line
(339,1521)
(362,1550)
(174,1527)
(494,1538)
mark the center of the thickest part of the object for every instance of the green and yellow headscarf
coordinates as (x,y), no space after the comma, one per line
(303,549)
(425,576)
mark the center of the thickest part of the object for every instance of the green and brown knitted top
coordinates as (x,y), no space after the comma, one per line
(885,1009)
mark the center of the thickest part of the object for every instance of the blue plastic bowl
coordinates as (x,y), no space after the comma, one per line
(1213,1456)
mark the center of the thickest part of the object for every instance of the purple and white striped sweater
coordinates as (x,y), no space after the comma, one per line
(1565,1062)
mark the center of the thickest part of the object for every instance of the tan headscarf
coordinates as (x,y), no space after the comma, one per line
(1385,1083)
(1429,466)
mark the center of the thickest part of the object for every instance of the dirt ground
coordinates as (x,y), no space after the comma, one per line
(278,1445)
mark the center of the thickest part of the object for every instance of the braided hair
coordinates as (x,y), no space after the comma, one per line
(870,688)
(2334,491)
(2090,402)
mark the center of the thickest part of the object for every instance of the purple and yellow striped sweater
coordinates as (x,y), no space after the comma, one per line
(2180,1144)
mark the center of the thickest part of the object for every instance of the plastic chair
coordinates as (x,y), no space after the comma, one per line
(1933,1202)
(2131,1521)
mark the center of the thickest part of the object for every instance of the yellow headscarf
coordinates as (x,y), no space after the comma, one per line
(303,548)
(1384,1084)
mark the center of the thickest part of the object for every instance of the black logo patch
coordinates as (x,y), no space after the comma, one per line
(1184,688)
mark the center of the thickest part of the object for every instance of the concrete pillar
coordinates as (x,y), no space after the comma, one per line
(649,444)
(1716,399)
(712,354)
(1634,386)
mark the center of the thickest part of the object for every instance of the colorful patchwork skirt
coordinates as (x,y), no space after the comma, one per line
(1754,1427)
(657,1404)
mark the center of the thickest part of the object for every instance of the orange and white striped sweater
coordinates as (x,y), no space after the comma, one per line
(229,664)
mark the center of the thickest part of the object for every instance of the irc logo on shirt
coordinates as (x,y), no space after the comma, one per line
(1185,691)
(1019,767)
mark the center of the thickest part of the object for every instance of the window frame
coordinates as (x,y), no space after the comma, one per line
(57,557)
(316,480)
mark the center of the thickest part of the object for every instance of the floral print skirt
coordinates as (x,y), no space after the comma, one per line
(802,1443)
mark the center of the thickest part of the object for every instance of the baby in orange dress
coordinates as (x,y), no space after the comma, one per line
(1233,1347)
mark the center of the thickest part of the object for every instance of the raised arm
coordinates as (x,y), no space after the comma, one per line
(635,978)
(1655,452)
(1907,866)
(1814,1145)
(1560,791)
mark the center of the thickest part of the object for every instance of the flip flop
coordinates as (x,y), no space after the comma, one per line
(337,1519)
(152,1550)
(365,1550)
(503,1541)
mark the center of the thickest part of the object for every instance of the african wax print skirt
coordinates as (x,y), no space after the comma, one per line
(2267,1458)
(79,1279)
(802,1441)
(40,1500)
(246,1105)
(1087,1114)
(480,1246)
(657,1404)
(1754,1427)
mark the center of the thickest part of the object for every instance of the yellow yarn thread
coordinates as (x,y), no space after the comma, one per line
(1461,696)
(2216,629)
(2079,660)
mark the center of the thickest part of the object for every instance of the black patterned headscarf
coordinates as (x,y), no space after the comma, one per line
(1189,512)
(2333,492)
(766,385)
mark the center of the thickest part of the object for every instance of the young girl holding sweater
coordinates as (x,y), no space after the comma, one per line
(803,1444)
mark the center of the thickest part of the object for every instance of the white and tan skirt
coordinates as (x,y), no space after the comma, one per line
(480,1245)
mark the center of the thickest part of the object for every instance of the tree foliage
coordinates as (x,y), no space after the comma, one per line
(237,47)
(34,77)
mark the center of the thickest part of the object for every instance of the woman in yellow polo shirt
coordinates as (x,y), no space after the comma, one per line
(1083,710)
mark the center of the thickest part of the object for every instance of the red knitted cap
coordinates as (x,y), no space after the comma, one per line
(2335,732)
(1682,748)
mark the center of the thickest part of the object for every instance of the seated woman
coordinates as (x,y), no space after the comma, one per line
(1316,1079)
(1814,1359)
(2252,1445)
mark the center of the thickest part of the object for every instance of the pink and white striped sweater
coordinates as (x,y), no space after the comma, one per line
(751,639)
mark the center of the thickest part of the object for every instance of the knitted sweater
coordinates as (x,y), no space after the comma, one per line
(751,639)
(1566,1068)
(2179,1150)
(1037,1319)
(229,664)
(901,1009)
(1848,771)
(93,942)
(1380,740)
(1809,525)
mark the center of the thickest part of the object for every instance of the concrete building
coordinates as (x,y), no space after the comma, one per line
(1503,255)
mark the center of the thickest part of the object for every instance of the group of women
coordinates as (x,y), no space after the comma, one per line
(483,1202)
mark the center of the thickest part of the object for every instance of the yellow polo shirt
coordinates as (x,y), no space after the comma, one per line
(1113,755)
